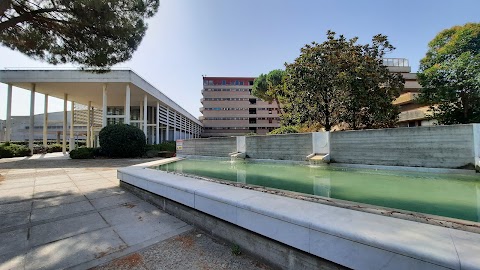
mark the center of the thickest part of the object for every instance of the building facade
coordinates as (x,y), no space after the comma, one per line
(411,114)
(230,109)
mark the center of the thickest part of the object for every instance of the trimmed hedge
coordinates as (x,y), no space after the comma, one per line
(9,150)
(83,153)
(122,141)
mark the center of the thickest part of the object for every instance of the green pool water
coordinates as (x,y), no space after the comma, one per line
(449,195)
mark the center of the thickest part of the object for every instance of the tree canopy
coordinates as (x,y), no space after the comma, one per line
(342,82)
(450,75)
(269,87)
(93,34)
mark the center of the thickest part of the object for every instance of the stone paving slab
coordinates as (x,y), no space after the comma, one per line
(63,213)
(64,228)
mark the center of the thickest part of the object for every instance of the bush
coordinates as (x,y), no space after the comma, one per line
(54,148)
(8,150)
(122,141)
(169,146)
(284,130)
(82,153)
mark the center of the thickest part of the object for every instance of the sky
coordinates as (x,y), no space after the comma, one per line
(190,38)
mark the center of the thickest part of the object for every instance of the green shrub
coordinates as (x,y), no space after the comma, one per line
(284,130)
(122,141)
(54,148)
(169,146)
(82,153)
(8,150)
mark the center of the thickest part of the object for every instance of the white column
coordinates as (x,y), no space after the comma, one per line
(127,105)
(168,124)
(104,106)
(141,115)
(88,124)
(64,133)
(45,121)
(8,130)
(175,127)
(157,127)
(145,116)
(72,118)
(92,124)
(32,119)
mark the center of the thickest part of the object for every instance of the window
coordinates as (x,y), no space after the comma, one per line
(252,120)
(250,82)
(253,101)
(224,82)
(270,120)
(252,111)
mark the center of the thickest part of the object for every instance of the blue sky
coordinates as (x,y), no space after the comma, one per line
(189,38)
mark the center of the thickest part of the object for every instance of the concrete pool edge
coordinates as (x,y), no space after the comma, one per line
(368,240)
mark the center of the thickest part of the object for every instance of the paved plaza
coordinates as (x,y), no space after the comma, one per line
(61,213)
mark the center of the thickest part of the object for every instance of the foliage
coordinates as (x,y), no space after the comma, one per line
(450,75)
(340,81)
(95,34)
(236,250)
(54,148)
(284,130)
(122,141)
(169,146)
(83,153)
(269,87)
(8,150)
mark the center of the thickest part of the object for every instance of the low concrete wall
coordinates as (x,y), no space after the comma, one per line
(456,146)
(280,147)
(434,146)
(274,253)
(218,147)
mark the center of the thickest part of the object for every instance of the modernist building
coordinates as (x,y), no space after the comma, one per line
(412,114)
(120,96)
(230,109)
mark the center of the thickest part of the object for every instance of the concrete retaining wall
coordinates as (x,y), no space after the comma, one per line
(280,147)
(455,146)
(435,146)
(219,147)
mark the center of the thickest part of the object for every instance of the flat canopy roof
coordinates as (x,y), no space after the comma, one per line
(84,86)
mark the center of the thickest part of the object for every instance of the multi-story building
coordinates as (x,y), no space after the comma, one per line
(230,109)
(412,114)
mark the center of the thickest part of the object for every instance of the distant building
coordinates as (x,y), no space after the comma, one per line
(230,109)
(21,126)
(411,113)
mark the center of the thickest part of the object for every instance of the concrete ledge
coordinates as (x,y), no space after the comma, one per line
(350,238)
(256,245)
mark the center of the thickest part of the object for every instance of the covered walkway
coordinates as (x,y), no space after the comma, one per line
(120,95)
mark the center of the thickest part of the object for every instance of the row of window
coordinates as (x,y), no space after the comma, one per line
(239,109)
(231,99)
(241,118)
(224,82)
(236,128)
(227,90)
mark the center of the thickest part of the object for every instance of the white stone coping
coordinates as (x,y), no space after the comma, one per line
(351,238)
